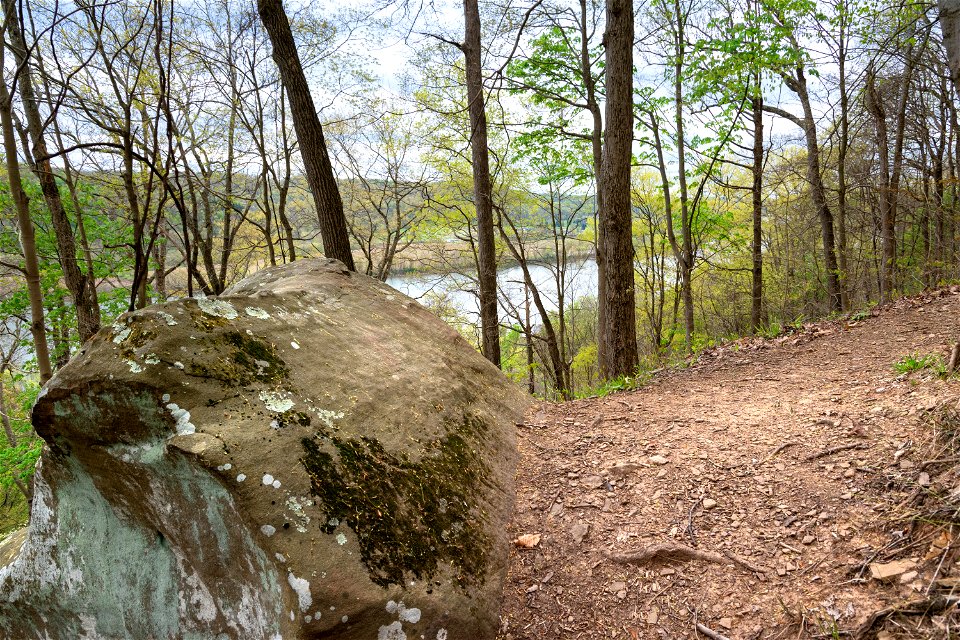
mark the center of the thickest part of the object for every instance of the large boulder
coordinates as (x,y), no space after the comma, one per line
(310,455)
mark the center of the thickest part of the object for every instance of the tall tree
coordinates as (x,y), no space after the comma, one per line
(82,288)
(28,243)
(950,24)
(313,148)
(619,328)
(790,61)
(482,189)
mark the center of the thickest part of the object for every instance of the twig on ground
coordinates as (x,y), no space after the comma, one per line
(667,552)
(710,633)
(690,529)
(833,450)
(929,463)
(921,607)
(778,450)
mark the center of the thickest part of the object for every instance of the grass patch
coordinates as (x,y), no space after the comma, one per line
(14,511)
(915,362)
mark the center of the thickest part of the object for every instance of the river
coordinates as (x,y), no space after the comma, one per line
(460,290)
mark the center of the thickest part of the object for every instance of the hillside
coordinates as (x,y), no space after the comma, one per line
(758,493)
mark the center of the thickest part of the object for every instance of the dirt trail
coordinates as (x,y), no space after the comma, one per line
(717,458)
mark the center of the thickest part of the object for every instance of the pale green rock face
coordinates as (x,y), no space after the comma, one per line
(310,455)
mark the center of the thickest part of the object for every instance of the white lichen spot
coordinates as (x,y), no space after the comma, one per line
(182,416)
(276,484)
(333,522)
(218,308)
(276,402)
(165,398)
(308,619)
(281,558)
(152,358)
(295,505)
(293,616)
(341,539)
(392,631)
(268,530)
(442,634)
(178,365)
(267,479)
(295,345)
(134,367)
(302,589)
(327,417)
(241,477)
(275,425)
(167,318)
(227,467)
(403,613)
(344,619)
(122,333)
(257,312)
(409,615)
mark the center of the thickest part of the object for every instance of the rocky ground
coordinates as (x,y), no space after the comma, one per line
(775,489)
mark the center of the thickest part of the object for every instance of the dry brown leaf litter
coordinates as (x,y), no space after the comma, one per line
(753,489)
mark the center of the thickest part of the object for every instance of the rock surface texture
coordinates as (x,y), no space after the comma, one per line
(310,455)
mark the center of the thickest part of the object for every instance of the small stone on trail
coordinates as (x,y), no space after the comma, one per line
(909,576)
(658,459)
(726,623)
(579,531)
(924,479)
(906,464)
(709,503)
(593,482)
(653,617)
(808,539)
(888,570)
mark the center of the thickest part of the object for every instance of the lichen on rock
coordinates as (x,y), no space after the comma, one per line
(379,448)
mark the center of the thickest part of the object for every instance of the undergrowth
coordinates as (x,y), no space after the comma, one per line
(914,362)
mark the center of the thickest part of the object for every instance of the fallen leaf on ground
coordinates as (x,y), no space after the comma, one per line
(527,540)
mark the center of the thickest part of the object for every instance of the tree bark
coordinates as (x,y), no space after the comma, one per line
(756,307)
(950,25)
(619,328)
(874,106)
(685,256)
(596,147)
(482,189)
(28,241)
(844,145)
(313,148)
(82,289)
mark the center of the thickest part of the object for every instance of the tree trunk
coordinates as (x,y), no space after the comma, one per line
(819,195)
(28,241)
(313,148)
(950,25)
(596,147)
(874,105)
(620,328)
(482,189)
(756,307)
(82,289)
(843,146)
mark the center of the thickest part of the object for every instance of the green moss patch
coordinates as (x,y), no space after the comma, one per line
(249,359)
(409,517)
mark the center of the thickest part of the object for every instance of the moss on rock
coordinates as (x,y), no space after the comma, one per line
(408,516)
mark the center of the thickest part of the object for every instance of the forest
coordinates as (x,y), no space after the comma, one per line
(646,178)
